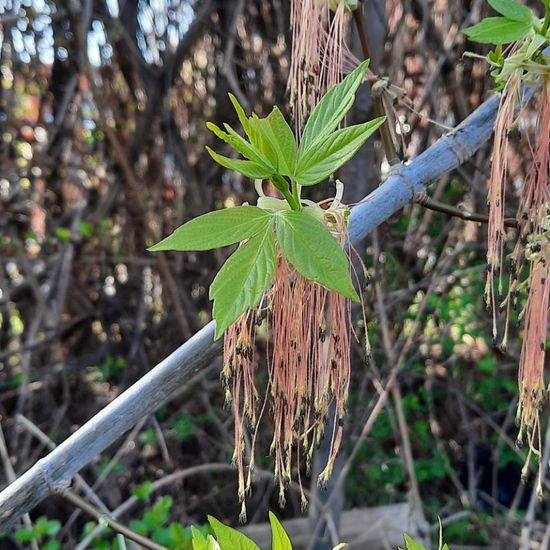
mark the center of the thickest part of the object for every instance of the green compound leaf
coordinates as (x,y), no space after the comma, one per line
(215,229)
(332,108)
(247,168)
(497,30)
(314,252)
(241,281)
(279,538)
(336,149)
(230,539)
(512,10)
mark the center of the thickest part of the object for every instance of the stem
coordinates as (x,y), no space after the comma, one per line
(292,198)
(85,506)
(296,193)
(377,105)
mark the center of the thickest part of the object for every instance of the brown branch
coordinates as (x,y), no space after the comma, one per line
(424,200)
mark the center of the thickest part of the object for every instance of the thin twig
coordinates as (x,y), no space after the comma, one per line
(79,480)
(424,200)
(389,347)
(108,521)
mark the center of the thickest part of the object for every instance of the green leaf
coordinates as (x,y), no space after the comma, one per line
(143,490)
(53,527)
(279,538)
(241,145)
(512,10)
(178,534)
(260,136)
(215,229)
(283,141)
(332,108)
(255,129)
(412,545)
(326,157)
(497,30)
(257,132)
(230,539)
(241,281)
(63,234)
(240,113)
(441,545)
(314,252)
(199,540)
(247,168)
(25,535)
(537,42)
(139,526)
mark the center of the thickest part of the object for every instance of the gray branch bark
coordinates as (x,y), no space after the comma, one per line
(54,472)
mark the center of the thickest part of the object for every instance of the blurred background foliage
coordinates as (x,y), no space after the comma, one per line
(103,107)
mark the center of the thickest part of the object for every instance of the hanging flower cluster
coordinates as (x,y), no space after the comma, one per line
(519,70)
(308,365)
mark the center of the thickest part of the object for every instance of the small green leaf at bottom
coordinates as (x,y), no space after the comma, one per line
(198,539)
(241,281)
(279,538)
(230,539)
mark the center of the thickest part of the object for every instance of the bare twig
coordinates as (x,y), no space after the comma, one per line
(109,521)
(389,347)
(424,200)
